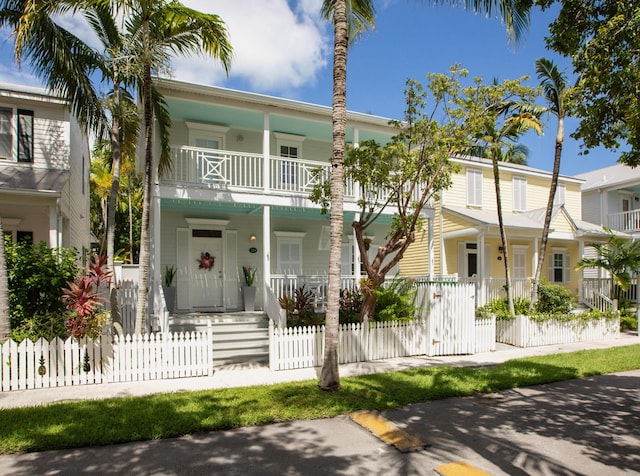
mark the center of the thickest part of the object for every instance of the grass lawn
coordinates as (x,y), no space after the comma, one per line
(118,420)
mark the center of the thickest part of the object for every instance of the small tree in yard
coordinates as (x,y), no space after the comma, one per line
(619,257)
(406,173)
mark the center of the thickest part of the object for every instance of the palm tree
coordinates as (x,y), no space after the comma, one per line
(350,18)
(507,116)
(554,88)
(618,256)
(4,291)
(63,61)
(157,29)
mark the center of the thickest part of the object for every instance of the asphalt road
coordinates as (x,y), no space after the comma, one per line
(578,427)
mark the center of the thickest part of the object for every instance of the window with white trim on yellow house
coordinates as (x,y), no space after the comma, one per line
(519,194)
(559,267)
(474,187)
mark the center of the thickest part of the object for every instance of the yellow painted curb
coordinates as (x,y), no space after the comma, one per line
(387,431)
(460,468)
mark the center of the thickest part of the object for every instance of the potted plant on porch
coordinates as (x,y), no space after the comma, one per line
(249,291)
(168,289)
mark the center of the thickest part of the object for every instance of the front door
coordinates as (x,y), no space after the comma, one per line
(206,270)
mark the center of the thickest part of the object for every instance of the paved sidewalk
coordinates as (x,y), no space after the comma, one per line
(258,373)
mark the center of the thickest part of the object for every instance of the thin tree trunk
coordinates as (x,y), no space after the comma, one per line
(143,275)
(116,162)
(547,217)
(503,237)
(130,221)
(329,375)
(4,291)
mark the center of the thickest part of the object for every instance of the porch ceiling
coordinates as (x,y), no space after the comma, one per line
(252,120)
(227,209)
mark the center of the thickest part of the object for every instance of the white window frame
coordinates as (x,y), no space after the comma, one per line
(289,168)
(11,132)
(561,195)
(287,238)
(560,253)
(201,130)
(474,187)
(519,193)
(519,272)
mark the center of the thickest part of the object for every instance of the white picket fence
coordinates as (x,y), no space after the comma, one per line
(524,332)
(446,326)
(58,363)
(302,347)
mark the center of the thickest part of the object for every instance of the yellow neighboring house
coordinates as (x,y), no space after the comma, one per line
(463,241)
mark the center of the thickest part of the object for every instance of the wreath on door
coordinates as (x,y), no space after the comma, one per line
(206,261)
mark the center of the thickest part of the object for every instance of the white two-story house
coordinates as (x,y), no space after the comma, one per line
(237,195)
(44,169)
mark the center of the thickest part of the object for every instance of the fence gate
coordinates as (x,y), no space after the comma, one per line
(450,313)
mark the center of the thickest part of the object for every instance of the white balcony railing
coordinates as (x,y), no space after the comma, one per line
(243,171)
(625,221)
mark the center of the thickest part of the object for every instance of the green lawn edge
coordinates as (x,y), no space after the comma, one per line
(119,420)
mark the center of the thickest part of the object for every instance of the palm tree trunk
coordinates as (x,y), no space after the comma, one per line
(116,161)
(143,275)
(547,220)
(503,236)
(329,375)
(130,221)
(4,291)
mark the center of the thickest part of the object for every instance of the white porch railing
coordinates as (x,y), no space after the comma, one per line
(286,285)
(494,288)
(596,292)
(625,221)
(243,171)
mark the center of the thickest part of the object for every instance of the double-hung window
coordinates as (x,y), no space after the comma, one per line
(519,194)
(6,135)
(289,147)
(559,266)
(16,126)
(474,187)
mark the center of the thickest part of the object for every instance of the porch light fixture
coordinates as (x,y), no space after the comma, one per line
(252,238)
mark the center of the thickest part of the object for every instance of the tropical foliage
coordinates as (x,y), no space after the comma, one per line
(555,92)
(36,276)
(601,37)
(619,256)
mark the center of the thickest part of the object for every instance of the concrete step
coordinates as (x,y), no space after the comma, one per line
(239,337)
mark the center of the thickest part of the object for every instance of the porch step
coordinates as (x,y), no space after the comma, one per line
(237,337)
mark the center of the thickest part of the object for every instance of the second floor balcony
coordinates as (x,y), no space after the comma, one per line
(625,221)
(251,173)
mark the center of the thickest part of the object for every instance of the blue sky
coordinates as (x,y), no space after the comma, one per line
(283,48)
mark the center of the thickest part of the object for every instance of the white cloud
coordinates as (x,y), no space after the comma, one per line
(276,46)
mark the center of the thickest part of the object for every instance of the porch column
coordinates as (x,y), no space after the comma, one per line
(480,300)
(356,254)
(581,272)
(266,150)
(431,255)
(266,245)
(154,249)
(53,226)
(535,255)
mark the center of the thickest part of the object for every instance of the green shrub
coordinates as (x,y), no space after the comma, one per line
(554,299)
(500,308)
(48,326)
(36,276)
(350,306)
(394,301)
(628,323)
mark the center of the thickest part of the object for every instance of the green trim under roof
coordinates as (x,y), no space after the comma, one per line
(225,209)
